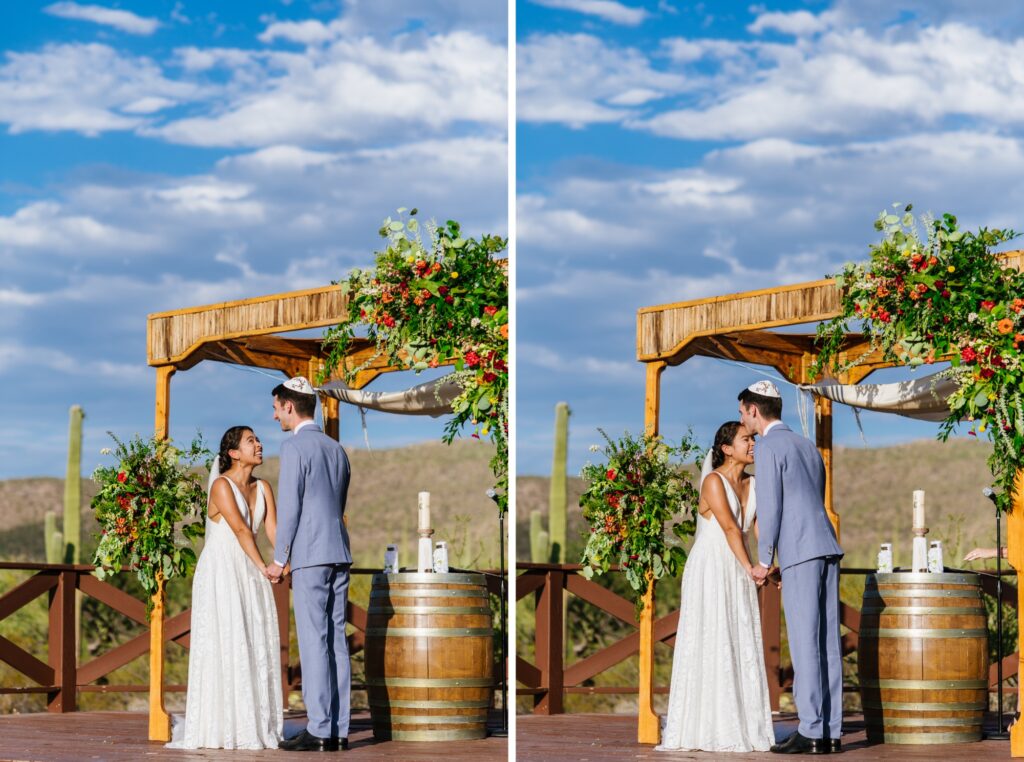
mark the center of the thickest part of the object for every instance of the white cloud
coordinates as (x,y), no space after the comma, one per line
(15,356)
(598,370)
(308,32)
(356,89)
(98,14)
(88,88)
(608,10)
(797,23)
(14,297)
(578,79)
(48,226)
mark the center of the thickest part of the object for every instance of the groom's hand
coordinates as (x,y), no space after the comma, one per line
(759,574)
(274,572)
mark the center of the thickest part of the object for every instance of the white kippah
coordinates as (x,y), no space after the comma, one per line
(764,388)
(299,384)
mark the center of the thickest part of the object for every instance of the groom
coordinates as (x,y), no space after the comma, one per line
(794,527)
(311,534)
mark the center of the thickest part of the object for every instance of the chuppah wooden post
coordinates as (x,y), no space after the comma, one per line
(648,729)
(159,719)
(1015,555)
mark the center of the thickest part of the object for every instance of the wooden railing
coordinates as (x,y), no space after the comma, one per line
(551,678)
(61,677)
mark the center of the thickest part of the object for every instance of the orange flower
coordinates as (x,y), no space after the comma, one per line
(1005,325)
(1018,339)
(504,331)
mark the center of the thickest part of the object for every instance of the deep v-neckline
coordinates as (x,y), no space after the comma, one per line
(739,500)
(248,509)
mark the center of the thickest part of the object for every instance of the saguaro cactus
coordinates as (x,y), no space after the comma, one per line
(549,546)
(73,489)
(53,538)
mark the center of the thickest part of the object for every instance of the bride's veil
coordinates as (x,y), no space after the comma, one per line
(214,475)
(705,469)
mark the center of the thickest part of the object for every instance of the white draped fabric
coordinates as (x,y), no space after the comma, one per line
(433,398)
(924,398)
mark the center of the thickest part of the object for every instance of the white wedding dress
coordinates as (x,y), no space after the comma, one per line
(719,697)
(234,671)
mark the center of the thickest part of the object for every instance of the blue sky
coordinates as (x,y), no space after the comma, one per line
(157,155)
(669,151)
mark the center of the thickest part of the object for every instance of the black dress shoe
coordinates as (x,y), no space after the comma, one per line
(306,741)
(835,746)
(798,744)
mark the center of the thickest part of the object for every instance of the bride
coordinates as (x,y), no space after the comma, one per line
(719,696)
(234,672)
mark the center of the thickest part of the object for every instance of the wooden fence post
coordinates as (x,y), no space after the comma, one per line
(549,644)
(281,602)
(63,657)
(1015,555)
(159,719)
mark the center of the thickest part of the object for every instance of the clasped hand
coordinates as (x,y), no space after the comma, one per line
(274,572)
(762,575)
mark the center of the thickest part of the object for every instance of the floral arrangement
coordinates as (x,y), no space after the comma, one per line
(433,299)
(642,484)
(153,490)
(947,297)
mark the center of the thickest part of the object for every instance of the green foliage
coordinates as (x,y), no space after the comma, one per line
(920,301)
(151,491)
(642,484)
(430,300)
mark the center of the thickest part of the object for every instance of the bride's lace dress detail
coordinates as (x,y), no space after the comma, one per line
(234,670)
(719,697)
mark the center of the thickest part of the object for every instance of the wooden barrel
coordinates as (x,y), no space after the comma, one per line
(429,656)
(923,658)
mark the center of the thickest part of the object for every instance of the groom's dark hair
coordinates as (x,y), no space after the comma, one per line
(770,408)
(305,404)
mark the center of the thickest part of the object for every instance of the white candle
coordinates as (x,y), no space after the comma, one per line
(919,509)
(424,512)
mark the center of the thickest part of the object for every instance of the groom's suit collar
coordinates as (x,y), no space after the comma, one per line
(775,425)
(308,423)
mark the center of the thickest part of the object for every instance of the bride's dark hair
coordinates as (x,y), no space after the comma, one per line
(230,441)
(725,435)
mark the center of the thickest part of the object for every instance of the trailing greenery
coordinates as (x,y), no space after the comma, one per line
(947,296)
(151,492)
(642,484)
(433,299)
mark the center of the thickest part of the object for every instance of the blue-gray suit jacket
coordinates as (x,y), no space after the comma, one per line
(790,491)
(311,493)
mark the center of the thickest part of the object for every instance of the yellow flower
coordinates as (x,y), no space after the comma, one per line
(951,269)
(981,427)
(991,398)
(410,259)
(455,274)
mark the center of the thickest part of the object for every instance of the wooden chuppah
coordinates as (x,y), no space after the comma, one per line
(735,327)
(244,332)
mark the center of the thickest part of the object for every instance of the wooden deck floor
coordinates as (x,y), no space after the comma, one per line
(117,736)
(612,738)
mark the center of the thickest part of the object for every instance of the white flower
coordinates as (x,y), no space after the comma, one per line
(595,448)
(972,317)
(105,451)
(474,322)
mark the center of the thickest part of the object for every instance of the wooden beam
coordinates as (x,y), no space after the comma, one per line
(1015,555)
(163,400)
(823,439)
(159,719)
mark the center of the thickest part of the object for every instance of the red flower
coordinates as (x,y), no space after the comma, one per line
(986,373)
(490,310)
(611,473)
(946,295)
(490,378)
(940,284)
(442,290)
(472,359)
(968,355)
(987,305)
(122,477)
(449,299)
(921,288)
(634,557)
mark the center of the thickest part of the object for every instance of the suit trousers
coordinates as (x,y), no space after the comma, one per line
(320,597)
(810,594)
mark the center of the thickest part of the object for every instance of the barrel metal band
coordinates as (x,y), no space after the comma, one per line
(408,704)
(479,610)
(910,632)
(434,735)
(430,719)
(925,722)
(924,684)
(427,592)
(932,738)
(974,706)
(431,578)
(973,593)
(902,578)
(430,682)
(925,610)
(431,632)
